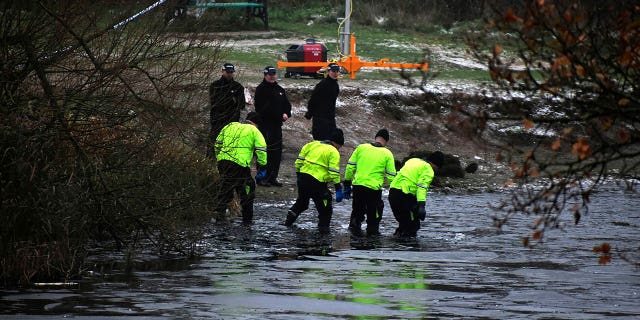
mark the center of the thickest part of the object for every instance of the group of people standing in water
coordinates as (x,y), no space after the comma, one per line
(234,145)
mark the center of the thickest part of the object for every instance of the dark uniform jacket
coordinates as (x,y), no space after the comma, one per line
(271,102)
(322,108)
(227,99)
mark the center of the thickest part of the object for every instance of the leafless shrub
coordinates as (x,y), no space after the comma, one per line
(98,132)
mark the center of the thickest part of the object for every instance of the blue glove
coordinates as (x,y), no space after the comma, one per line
(347,192)
(339,195)
(261,174)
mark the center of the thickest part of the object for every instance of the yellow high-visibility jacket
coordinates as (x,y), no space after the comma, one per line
(321,160)
(369,163)
(238,141)
(414,178)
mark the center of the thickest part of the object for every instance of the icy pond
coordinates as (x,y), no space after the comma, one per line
(459,267)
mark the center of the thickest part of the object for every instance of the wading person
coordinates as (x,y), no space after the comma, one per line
(321,108)
(408,192)
(235,147)
(272,104)
(317,165)
(366,169)
(226,97)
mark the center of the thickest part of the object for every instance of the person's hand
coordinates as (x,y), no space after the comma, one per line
(339,195)
(347,192)
(421,212)
(261,174)
(285,117)
(307,115)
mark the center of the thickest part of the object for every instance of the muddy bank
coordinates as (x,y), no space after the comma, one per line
(416,121)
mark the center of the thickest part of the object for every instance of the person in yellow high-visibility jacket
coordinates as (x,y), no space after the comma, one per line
(317,165)
(235,147)
(408,192)
(366,169)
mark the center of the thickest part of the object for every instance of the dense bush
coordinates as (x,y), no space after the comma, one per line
(99,131)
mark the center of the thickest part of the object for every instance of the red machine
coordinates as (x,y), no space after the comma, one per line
(308,52)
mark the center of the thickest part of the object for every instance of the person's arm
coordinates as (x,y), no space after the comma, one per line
(261,101)
(350,169)
(287,106)
(312,106)
(423,183)
(212,94)
(334,168)
(260,147)
(390,167)
(240,99)
(301,157)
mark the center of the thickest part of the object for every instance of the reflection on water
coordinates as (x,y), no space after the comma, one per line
(458,267)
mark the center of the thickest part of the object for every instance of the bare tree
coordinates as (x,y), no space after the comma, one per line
(101,109)
(580,62)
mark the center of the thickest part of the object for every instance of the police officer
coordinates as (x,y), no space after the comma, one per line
(272,104)
(318,164)
(322,104)
(227,99)
(367,167)
(235,147)
(408,192)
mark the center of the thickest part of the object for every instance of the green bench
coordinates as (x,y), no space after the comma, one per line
(257,8)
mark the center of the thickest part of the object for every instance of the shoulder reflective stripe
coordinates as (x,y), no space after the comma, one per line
(421,186)
(334,170)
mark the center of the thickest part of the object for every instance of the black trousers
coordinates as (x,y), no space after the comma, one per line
(367,202)
(402,205)
(310,188)
(273,137)
(322,128)
(235,178)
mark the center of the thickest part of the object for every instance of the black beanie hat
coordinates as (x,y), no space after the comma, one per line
(436,158)
(253,117)
(384,134)
(338,137)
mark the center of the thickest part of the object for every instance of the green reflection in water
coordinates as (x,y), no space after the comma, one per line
(367,300)
(335,297)
(323,296)
(370,288)
(364,287)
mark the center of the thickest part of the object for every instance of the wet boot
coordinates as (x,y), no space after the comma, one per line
(373,229)
(355,227)
(291,218)
(324,229)
(324,222)
(372,232)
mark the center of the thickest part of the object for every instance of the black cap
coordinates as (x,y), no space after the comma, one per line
(383,133)
(269,70)
(436,158)
(253,117)
(333,67)
(228,67)
(338,136)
